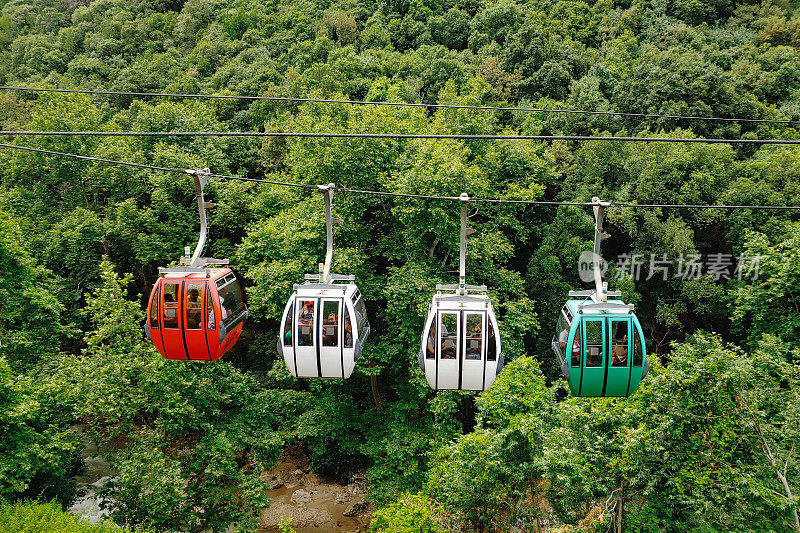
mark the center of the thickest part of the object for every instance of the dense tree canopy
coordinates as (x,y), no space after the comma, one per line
(707,443)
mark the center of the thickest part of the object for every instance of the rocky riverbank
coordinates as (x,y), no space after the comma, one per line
(314,504)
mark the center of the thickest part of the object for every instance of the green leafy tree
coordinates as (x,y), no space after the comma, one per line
(768,304)
(40,456)
(30,327)
(208,427)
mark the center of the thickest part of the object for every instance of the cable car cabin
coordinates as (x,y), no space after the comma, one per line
(461,343)
(323,329)
(601,348)
(195,313)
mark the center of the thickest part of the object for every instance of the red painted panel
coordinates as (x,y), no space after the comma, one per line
(171,318)
(152,307)
(194,329)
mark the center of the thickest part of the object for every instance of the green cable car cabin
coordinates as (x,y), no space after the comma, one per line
(601,348)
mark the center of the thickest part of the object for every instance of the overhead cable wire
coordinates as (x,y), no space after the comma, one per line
(456,136)
(399,104)
(150,167)
(401,195)
(90,158)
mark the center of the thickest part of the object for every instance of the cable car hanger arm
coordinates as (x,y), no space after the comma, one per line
(599,236)
(196,262)
(326,269)
(462,265)
(200,181)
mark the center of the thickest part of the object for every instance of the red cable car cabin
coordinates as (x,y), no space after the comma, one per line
(195,314)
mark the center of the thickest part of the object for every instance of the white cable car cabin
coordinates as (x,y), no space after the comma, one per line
(324,324)
(324,328)
(461,343)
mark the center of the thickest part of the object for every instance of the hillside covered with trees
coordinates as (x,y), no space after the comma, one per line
(708,441)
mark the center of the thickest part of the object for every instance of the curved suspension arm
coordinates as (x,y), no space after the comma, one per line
(326,268)
(599,236)
(462,267)
(200,180)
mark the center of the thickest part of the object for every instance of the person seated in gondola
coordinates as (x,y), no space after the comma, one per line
(223,298)
(348,333)
(329,330)
(305,324)
(576,351)
(307,313)
(193,308)
(432,342)
(562,339)
(619,352)
(474,343)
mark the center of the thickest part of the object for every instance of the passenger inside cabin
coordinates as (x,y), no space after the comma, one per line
(448,345)
(562,339)
(595,343)
(474,343)
(348,333)
(305,324)
(432,342)
(307,313)
(576,351)
(212,320)
(619,352)
(330,334)
(193,310)
(223,299)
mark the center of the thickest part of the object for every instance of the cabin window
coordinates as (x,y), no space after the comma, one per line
(305,323)
(474,337)
(564,324)
(448,331)
(430,344)
(194,306)
(154,309)
(171,305)
(619,343)
(491,341)
(361,314)
(348,329)
(637,350)
(576,348)
(594,343)
(287,327)
(211,319)
(231,302)
(330,323)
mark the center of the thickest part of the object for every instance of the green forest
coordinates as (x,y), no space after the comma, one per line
(707,442)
